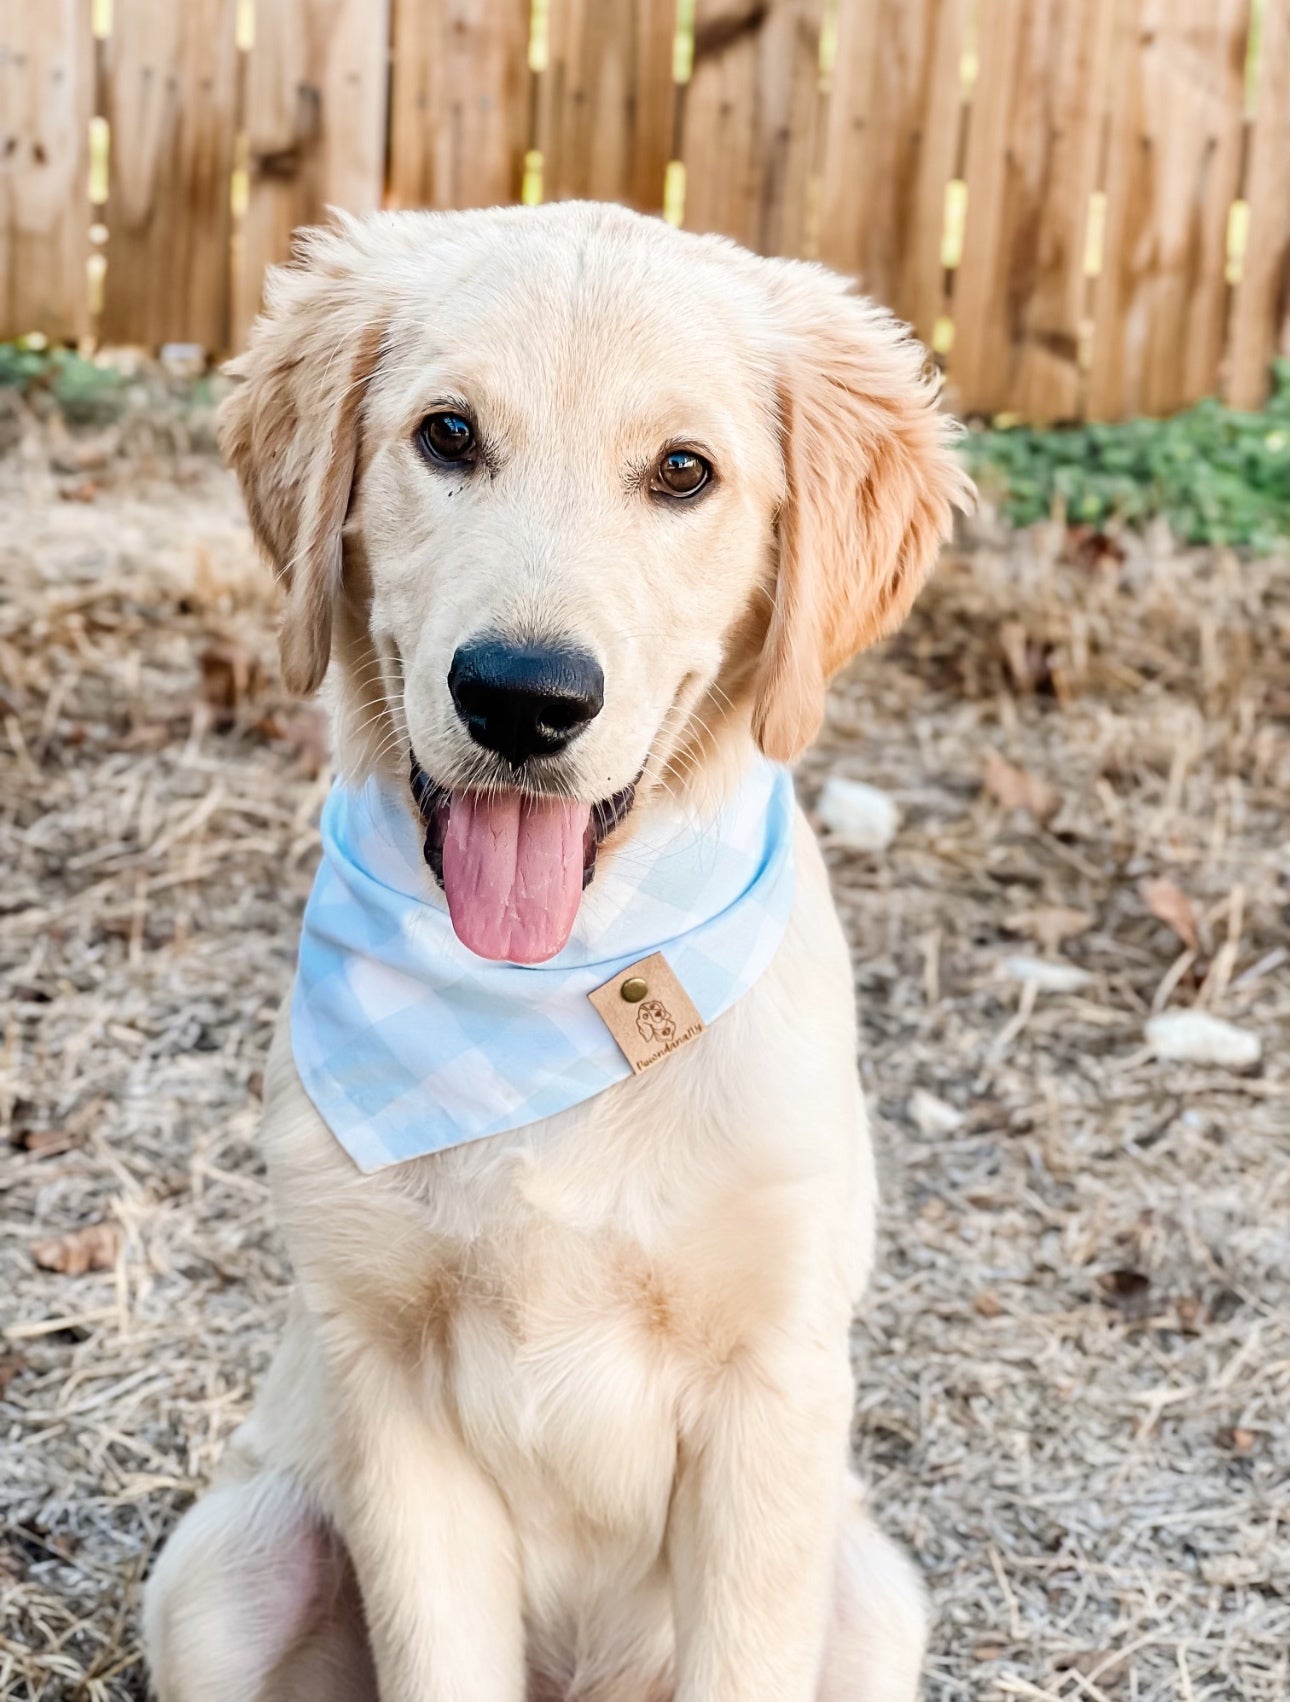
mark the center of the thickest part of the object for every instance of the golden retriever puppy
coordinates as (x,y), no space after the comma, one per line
(581,512)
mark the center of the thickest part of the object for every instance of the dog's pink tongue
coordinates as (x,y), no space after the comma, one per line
(512,872)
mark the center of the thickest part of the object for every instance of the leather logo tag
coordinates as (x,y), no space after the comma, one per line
(648,1012)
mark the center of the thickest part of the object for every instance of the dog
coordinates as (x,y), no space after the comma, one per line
(654,1022)
(580,513)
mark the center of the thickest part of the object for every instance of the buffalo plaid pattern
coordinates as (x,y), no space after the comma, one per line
(407,1043)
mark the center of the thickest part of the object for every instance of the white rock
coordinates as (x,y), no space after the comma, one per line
(1048,976)
(1195,1037)
(932,1116)
(183,360)
(857,815)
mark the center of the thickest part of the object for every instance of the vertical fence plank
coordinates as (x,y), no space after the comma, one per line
(720,121)
(316,99)
(1004,40)
(171,107)
(1174,164)
(459,102)
(46,99)
(654,120)
(1037,125)
(891,139)
(750,120)
(605,128)
(1262,301)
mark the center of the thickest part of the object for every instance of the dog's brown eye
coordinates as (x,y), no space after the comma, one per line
(448,438)
(681,473)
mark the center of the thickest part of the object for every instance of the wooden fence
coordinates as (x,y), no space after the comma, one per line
(1083,205)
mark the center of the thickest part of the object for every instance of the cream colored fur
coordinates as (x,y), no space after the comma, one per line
(564,1413)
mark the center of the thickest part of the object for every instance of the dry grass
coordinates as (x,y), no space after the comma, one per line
(1075,1364)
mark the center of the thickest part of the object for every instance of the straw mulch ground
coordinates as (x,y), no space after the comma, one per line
(1075,1361)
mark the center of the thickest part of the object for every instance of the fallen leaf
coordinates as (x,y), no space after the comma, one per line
(1093,1663)
(230,674)
(46,1143)
(1189,1313)
(1094,548)
(1128,1291)
(987,1305)
(1169,904)
(1029,660)
(10,1365)
(147,736)
(305,733)
(1050,924)
(1237,1439)
(1016,790)
(87,456)
(91,1248)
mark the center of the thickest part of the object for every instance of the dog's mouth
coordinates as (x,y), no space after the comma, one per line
(513,865)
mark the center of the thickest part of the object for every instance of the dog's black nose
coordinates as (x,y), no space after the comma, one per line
(524,700)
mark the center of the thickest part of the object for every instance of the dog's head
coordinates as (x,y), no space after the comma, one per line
(572,497)
(654,1021)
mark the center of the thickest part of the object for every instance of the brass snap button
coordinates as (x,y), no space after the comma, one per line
(633,990)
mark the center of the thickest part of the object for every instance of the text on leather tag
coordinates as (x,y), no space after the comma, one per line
(648,1012)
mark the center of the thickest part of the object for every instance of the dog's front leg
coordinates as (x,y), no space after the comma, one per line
(431,1542)
(753,1535)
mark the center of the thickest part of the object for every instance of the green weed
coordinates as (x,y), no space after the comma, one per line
(1216,475)
(86,393)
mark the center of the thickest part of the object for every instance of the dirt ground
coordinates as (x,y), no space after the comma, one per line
(1074,1365)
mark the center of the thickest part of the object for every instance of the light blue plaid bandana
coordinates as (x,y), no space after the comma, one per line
(407,1043)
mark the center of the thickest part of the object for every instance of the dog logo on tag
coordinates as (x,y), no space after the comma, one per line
(654,1021)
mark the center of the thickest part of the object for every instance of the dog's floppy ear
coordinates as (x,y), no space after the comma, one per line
(871,483)
(290,428)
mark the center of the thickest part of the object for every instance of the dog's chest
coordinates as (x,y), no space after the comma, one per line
(584,1312)
(566,1389)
